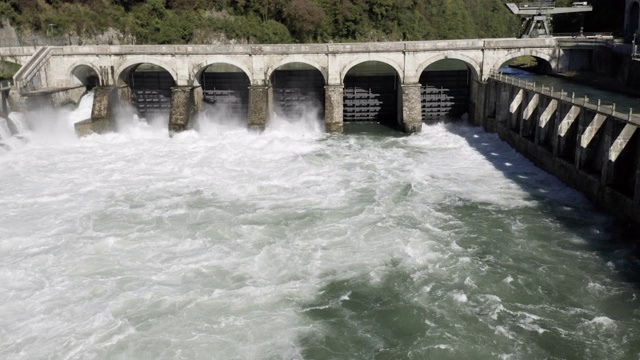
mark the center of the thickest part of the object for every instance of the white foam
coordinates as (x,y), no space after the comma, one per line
(9,140)
(602,322)
(55,127)
(83,110)
(5,133)
(459,296)
(19,122)
(218,119)
(217,238)
(529,321)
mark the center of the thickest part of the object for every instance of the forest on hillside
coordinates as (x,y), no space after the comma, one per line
(288,21)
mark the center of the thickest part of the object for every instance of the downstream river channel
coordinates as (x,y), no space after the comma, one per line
(219,243)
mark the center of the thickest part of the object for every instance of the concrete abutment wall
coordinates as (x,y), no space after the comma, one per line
(591,148)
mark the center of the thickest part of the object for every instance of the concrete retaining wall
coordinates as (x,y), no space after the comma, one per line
(589,147)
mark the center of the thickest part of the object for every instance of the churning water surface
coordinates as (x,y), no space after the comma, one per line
(219,243)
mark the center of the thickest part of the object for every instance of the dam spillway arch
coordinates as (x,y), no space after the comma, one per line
(225,88)
(371,93)
(545,62)
(445,90)
(298,90)
(150,88)
(336,63)
(86,75)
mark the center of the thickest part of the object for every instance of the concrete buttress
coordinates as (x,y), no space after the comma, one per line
(333,108)
(4,99)
(258,107)
(411,108)
(181,108)
(101,121)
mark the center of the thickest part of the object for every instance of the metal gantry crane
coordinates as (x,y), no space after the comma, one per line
(537,15)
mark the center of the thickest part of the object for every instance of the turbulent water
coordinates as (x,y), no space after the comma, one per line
(219,243)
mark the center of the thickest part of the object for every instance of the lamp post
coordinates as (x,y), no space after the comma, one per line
(51,26)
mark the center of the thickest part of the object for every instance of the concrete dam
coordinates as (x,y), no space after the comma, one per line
(291,243)
(402,85)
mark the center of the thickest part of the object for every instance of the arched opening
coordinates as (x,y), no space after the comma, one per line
(634,19)
(8,69)
(85,75)
(150,87)
(298,89)
(225,87)
(371,94)
(446,88)
(526,64)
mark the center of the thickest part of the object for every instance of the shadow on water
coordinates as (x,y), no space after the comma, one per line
(620,247)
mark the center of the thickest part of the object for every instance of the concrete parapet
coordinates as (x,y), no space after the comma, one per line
(411,108)
(182,107)
(259,105)
(333,108)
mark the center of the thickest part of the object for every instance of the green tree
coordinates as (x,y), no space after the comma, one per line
(453,20)
(305,18)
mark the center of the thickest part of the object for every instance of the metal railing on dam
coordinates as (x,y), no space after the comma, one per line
(589,146)
(590,103)
(330,48)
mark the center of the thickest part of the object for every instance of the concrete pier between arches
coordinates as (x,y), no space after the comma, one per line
(102,112)
(333,108)
(259,105)
(411,108)
(182,107)
(4,103)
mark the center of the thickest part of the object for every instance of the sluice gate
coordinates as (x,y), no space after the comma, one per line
(151,90)
(228,89)
(590,147)
(296,91)
(371,98)
(445,90)
(445,94)
(371,94)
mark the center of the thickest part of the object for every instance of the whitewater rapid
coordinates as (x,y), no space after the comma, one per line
(220,243)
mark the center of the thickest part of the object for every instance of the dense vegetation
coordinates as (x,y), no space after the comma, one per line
(285,21)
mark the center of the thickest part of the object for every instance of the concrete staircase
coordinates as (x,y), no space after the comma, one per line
(24,78)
